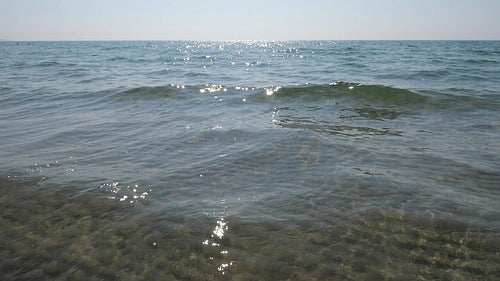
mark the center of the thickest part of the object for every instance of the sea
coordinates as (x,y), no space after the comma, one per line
(250,160)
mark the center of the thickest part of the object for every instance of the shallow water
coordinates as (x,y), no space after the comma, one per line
(250,160)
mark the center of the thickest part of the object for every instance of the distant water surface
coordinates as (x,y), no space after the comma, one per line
(301,160)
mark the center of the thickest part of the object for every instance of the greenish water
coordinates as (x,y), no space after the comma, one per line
(314,160)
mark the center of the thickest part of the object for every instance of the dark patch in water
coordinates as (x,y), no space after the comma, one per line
(321,126)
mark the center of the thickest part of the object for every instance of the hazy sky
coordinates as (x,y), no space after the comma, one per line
(248,20)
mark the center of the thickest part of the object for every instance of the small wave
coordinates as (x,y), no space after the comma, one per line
(355,65)
(46,63)
(118,58)
(145,93)
(376,96)
(370,94)
(481,61)
(434,73)
(485,52)
(128,59)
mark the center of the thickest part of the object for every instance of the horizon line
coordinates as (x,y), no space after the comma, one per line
(233,40)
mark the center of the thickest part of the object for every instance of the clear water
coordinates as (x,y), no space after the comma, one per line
(329,160)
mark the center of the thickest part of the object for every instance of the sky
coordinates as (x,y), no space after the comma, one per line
(50,20)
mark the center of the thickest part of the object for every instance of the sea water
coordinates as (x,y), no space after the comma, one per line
(301,160)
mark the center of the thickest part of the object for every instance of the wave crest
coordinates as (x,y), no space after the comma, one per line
(147,93)
(370,94)
(342,93)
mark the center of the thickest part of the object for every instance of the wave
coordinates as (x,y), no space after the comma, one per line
(128,59)
(345,94)
(46,63)
(487,61)
(149,93)
(377,93)
(355,94)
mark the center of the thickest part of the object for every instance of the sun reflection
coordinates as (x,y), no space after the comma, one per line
(220,228)
(212,89)
(223,266)
(213,247)
(130,194)
(272,90)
